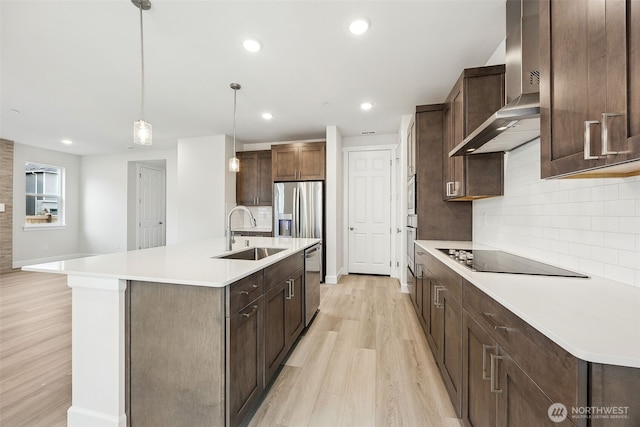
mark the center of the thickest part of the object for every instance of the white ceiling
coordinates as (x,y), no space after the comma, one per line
(72,68)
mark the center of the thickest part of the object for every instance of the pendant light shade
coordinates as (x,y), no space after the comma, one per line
(142,130)
(142,133)
(234,162)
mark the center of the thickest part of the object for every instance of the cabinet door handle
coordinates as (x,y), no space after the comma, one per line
(436,299)
(289,289)
(494,369)
(492,322)
(587,139)
(251,313)
(605,133)
(293,288)
(253,288)
(484,360)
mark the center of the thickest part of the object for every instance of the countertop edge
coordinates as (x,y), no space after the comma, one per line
(244,267)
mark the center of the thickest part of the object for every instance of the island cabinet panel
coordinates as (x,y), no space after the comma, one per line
(275,329)
(245,360)
(253,182)
(203,356)
(298,161)
(590,88)
(176,355)
(295,307)
(284,312)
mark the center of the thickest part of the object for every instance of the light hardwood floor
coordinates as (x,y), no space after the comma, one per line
(35,349)
(363,362)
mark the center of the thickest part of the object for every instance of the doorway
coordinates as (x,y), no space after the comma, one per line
(147,204)
(369,212)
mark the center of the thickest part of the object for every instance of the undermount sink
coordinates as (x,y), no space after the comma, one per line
(253,254)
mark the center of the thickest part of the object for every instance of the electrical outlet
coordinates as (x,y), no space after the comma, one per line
(1,207)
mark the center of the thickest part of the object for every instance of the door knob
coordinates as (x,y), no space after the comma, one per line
(351,228)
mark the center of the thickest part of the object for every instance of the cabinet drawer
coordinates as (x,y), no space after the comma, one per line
(282,270)
(445,276)
(552,368)
(242,292)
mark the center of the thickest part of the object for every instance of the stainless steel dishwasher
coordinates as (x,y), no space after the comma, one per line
(312,275)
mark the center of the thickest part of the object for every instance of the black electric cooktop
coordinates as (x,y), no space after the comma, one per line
(492,261)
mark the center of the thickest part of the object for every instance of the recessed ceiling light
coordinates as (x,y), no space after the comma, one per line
(359,26)
(267,116)
(366,106)
(252,45)
(67,141)
(14,110)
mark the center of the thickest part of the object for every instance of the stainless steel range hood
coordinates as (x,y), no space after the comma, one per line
(518,122)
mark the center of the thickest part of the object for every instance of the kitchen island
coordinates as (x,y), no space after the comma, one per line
(151,337)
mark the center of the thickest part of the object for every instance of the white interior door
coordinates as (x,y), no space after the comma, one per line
(369,212)
(151,207)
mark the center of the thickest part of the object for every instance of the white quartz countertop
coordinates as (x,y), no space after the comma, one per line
(594,319)
(184,264)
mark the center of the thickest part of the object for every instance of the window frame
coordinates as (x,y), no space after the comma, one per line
(59,198)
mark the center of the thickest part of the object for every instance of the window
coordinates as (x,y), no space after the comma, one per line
(44,191)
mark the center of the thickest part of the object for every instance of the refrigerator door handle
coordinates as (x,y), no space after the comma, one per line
(296,205)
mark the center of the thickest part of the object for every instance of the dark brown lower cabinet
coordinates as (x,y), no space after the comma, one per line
(479,400)
(284,320)
(294,308)
(274,331)
(245,361)
(444,334)
(451,353)
(520,400)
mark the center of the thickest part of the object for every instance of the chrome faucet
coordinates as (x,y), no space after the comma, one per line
(229,236)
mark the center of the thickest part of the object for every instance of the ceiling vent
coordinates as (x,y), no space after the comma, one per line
(368,132)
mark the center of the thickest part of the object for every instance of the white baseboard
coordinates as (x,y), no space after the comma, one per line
(333,280)
(404,288)
(20,264)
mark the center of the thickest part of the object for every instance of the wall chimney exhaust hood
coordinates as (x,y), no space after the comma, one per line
(518,122)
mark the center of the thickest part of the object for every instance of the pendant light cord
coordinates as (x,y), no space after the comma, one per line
(141,66)
(235,93)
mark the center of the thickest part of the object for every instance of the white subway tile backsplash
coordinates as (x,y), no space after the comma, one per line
(623,241)
(590,225)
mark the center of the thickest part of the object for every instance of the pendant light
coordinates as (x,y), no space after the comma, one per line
(142,131)
(234,162)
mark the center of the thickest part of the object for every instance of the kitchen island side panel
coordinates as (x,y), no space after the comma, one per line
(176,355)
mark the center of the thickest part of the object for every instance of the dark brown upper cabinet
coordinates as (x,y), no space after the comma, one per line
(478,93)
(303,161)
(590,88)
(253,182)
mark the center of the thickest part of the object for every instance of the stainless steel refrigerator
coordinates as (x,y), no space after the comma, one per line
(298,211)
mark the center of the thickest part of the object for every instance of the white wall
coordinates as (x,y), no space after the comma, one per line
(206,189)
(41,245)
(334,187)
(590,225)
(370,140)
(104,196)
